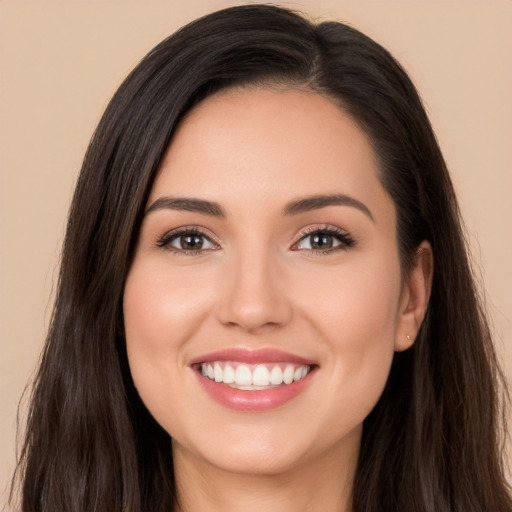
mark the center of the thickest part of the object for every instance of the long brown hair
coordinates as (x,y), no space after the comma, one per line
(432,443)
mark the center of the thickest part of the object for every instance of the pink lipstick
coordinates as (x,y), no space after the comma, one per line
(253,380)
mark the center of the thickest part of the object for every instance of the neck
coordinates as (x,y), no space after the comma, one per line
(323,484)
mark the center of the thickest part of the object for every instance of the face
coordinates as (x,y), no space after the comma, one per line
(265,300)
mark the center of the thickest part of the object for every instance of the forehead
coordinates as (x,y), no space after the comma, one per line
(244,146)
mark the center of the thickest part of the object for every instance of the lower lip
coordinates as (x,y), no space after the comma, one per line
(256,400)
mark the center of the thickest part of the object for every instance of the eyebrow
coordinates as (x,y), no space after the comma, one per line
(187,205)
(293,208)
(316,202)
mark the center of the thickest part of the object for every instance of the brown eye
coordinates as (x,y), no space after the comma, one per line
(191,242)
(187,241)
(321,241)
(324,240)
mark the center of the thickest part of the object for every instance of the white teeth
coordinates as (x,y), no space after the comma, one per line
(276,376)
(261,376)
(253,377)
(229,375)
(288,374)
(243,376)
(218,373)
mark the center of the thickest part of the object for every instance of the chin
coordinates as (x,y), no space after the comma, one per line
(262,461)
(269,452)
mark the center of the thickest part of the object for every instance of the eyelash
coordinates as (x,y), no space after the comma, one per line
(344,239)
(168,238)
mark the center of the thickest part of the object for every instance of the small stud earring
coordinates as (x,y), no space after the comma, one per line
(408,337)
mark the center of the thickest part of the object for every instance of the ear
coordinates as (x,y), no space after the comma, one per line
(415,297)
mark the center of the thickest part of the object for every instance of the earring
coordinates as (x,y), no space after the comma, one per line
(408,337)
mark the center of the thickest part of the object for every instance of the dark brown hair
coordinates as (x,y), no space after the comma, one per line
(432,443)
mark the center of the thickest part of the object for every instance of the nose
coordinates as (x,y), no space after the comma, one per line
(254,298)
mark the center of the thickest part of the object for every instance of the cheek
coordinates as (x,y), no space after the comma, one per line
(161,307)
(161,312)
(354,300)
(355,309)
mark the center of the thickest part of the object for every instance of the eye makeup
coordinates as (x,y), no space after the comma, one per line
(323,240)
(187,241)
(317,240)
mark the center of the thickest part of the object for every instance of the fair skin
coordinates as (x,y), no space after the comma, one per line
(259,270)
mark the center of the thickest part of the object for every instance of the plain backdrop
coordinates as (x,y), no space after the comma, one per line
(60,62)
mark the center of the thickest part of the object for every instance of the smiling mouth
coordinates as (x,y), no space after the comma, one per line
(253,377)
(248,380)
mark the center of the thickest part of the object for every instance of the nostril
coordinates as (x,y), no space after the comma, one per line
(255,314)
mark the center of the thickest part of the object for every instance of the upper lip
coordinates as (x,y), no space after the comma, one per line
(252,356)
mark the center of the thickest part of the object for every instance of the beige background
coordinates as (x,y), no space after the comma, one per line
(60,62)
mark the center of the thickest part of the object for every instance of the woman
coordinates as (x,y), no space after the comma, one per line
(265,299)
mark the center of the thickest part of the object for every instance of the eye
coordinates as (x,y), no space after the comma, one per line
(324,240)
(187,241)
